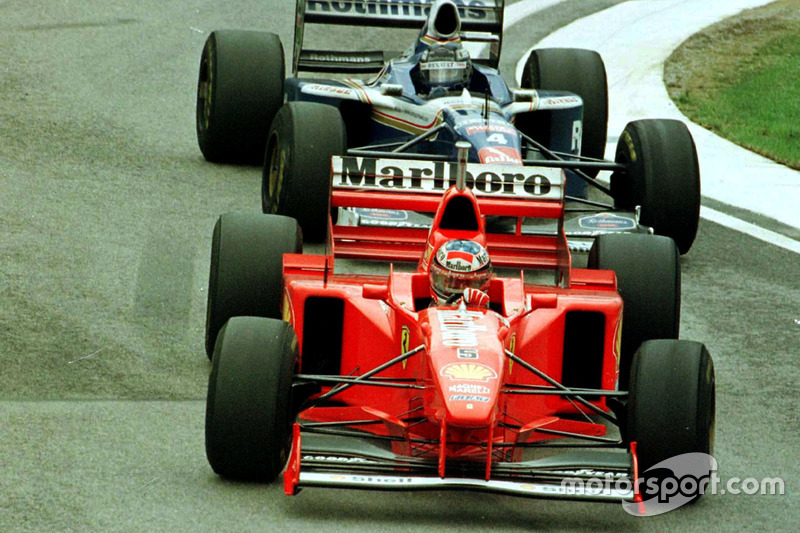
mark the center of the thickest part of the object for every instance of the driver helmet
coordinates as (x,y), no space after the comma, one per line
(458,265)
(442,68)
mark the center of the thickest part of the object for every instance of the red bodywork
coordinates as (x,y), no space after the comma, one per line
(465,398)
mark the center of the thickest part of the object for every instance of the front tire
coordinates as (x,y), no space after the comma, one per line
(239,90)
(297,166)
(246,275)
(671,406)
(663,177)
(649,282)
(249,404)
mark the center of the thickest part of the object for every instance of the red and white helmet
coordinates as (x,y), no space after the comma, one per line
(458,265)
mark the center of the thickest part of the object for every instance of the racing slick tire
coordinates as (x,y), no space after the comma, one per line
(246,274)
(249,405)
(649,282)
(663,177)
(581,72)
(671,411)
(297,165)
(239,90)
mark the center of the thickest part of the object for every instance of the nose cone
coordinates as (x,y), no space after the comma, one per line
(468,363)
(444,21)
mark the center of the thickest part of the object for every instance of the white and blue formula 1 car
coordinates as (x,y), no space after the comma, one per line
(396,119)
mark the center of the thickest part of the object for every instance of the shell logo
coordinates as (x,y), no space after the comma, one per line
(468,372)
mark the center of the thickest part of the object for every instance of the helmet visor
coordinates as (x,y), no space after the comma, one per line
(446,283)
(444,72)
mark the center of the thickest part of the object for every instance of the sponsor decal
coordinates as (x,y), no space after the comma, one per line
(335,459)
(468,398)
(467,353)
(490,128)
(499,155)
(380,480)
(458,328)
(405,337)
(428,253)
(511,179)
(469,388)
(318,88)
(458,255)
(590,472)
(467,9)
(618,343)
(315,56)
(607,221)
(561,101)
(468,372)
(383,214)
(443,65)
(392,224)
(286,307)
(512,346)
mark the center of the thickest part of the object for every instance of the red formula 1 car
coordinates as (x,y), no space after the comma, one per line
(461,372)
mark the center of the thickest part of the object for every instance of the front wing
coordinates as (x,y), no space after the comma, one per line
(357,464)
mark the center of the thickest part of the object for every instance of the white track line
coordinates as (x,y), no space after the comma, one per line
(750,229)
(519,11)
(635,38)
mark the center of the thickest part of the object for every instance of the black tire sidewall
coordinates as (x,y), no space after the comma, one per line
(246,90)
(246,268)
(581,72)
(248,409)
(671,406)
(662,177)
(307,135)
(649,282)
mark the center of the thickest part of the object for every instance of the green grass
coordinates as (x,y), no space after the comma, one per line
(742,81)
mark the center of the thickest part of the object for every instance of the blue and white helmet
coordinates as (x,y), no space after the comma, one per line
(446,67)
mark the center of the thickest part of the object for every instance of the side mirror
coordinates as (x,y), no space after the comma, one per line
(525,95)
(375,292)
(391,89)
(544,301)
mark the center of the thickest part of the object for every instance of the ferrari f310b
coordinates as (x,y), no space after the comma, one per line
(492,364)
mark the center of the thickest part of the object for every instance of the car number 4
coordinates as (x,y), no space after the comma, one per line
(497,138)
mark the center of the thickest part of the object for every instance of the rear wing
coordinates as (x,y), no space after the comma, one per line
(481,22)
(514,191)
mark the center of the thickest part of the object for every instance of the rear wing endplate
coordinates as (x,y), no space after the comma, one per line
(481,22)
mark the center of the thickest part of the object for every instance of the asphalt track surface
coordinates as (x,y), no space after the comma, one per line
(106,210)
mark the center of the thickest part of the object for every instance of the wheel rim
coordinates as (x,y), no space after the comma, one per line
(277,162)
(205,87)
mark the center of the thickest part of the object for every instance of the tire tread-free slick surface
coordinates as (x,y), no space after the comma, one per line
(649,282)
(663,177)
(239,90)
(246,272)
(248,408)
(297,166)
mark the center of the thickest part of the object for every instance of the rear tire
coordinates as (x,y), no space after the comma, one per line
(671,406)
(297,166)
(239,90)
(649,282)
(663,177)
(246,277)
(248,408)
(581,72)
